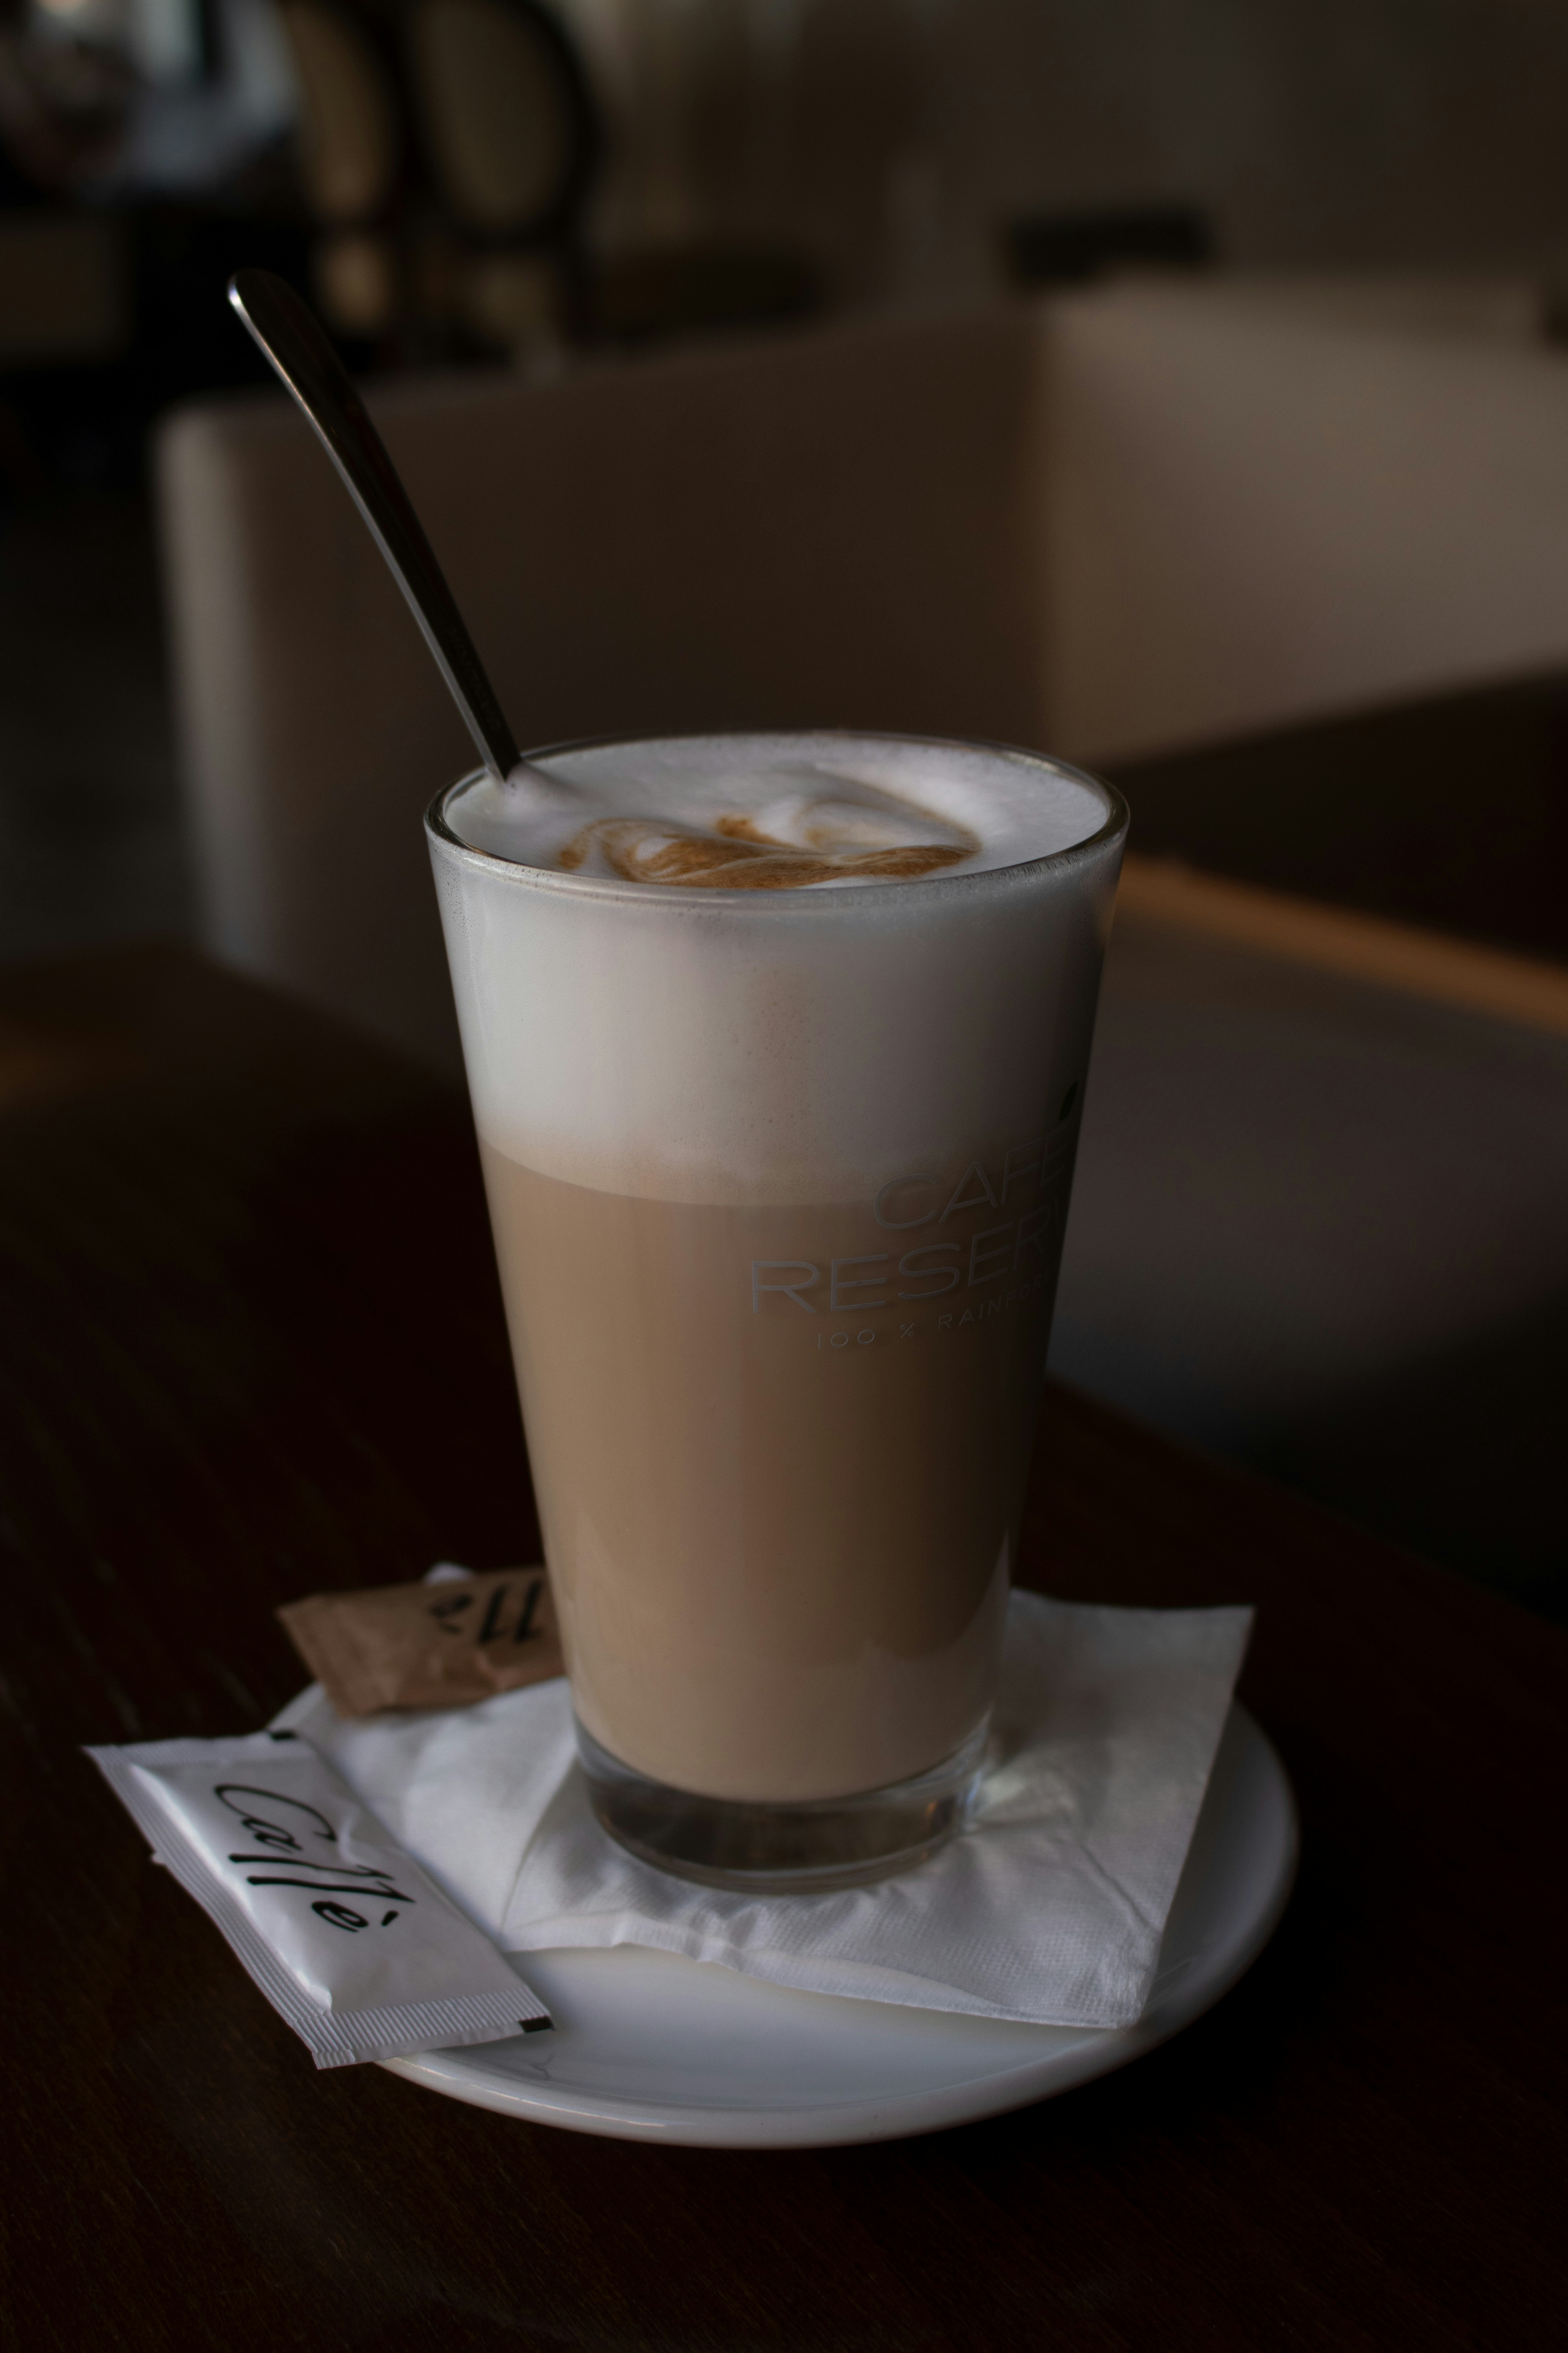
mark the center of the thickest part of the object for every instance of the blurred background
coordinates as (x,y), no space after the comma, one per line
(1176,386)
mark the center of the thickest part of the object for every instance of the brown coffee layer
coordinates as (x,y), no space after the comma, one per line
(780,1455)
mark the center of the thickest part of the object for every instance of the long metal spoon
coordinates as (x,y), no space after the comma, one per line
(289,336)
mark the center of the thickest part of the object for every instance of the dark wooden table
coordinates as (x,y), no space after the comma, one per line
(253,1347)
(1449,811)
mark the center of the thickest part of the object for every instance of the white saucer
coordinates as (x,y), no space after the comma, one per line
(647,2046)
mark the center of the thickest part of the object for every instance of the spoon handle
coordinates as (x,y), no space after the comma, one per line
(291,338)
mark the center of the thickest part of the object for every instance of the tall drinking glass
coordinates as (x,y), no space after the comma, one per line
(777,1179)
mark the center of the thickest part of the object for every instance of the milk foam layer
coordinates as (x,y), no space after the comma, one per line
(717,1045)
(778,812)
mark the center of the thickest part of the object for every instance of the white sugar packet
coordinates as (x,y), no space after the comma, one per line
(347,1938)
(1050,1909)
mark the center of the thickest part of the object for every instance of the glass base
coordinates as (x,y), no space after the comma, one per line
(803,1849)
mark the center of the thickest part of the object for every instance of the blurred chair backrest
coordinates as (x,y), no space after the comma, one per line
(1262,513)
(508,122)
(352,153)
(1110,524)
(351,138)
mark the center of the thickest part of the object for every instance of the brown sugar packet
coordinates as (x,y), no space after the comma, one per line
(436,1644)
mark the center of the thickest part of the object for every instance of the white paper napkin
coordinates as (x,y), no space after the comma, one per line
(1050,1909)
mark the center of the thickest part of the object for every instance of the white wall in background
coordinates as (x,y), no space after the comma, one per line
(894,134)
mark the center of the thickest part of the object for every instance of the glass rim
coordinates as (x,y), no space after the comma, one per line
(689,898)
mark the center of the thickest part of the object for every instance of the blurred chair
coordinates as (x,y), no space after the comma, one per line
(448,150)
(1264,510)
(512,137)
(1112,523)
(352,156)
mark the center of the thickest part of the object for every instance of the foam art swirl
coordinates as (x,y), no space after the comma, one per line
(830,844)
